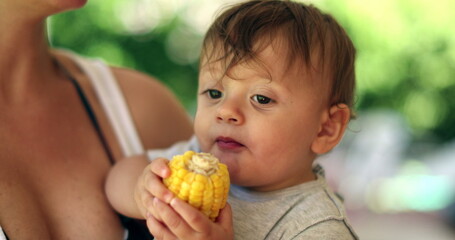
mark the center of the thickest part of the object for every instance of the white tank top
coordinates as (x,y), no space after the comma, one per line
(112,101)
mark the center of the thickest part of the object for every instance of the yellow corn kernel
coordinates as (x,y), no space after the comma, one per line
(201,180)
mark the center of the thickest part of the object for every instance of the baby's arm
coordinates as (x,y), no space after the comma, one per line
(128,180)
(132,183)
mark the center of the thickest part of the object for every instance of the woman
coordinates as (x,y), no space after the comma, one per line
(58,137)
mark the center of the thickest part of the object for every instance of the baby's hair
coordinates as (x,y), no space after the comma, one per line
(235,34)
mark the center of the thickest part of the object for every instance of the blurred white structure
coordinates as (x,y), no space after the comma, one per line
(393,188)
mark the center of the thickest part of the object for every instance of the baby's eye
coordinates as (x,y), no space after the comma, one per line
(261,99)
(214,94)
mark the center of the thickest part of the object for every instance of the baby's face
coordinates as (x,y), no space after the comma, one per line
(261,122)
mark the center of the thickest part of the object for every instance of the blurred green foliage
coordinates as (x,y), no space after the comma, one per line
(95,31)
(405,61)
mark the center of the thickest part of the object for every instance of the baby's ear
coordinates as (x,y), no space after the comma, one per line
(333,124)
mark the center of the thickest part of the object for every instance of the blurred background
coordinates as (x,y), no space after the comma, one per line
(396,165)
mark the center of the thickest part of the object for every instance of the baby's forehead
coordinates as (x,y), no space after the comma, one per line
(273,60)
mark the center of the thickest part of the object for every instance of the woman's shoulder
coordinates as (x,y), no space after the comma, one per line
(138,86)
(159,116)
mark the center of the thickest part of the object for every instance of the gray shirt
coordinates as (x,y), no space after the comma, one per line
(306,211)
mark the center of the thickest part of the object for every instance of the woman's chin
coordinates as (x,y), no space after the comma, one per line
(67,5)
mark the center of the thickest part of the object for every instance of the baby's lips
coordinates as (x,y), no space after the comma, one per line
(228,143)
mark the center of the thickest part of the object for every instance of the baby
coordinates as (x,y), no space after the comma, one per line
(276,88)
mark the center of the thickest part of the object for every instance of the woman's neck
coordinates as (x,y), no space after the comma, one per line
(25,59)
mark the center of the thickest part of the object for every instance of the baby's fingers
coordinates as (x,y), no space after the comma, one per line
(159,167)
(196,220)
(158,230)
(171,221)
(153,180)
(225,220)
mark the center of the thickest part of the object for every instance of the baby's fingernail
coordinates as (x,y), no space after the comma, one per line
(173,202)
(148,215)
(168,197)
(164,173)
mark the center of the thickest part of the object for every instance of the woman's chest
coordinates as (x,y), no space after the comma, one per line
(52,171)
(55,192)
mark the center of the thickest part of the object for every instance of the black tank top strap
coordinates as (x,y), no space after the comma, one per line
(4,233)
(137,229)
(89,110)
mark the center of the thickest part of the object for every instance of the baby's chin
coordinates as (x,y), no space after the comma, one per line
(233,167)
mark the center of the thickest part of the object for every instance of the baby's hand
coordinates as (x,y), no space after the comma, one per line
(150,186)
(179,220)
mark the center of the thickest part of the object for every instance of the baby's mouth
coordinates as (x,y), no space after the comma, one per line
(226,143)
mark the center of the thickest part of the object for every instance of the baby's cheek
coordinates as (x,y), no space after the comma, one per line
(205,146)
(234,172)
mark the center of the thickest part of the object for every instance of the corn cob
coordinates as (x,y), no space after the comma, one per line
(201,180)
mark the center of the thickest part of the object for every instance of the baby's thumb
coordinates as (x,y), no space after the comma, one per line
(225,218)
